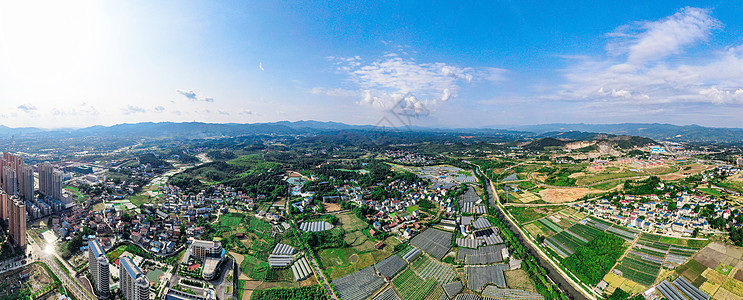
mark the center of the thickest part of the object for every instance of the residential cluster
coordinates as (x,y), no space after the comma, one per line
(655,216)
(19,200)
(410,158)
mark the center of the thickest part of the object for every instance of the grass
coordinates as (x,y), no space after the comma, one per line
(76,192)
(413,208)
(114,254)
(354,263)
(465,173)
(606,185)
(350,222)
(724,269)
(231,220)
(140,199)
(593,178)
(525,214)
(731,185)
(254,268)
(711,192)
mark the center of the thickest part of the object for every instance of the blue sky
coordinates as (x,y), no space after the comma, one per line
(77,64)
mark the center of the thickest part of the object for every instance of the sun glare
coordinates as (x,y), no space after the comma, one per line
(53,39)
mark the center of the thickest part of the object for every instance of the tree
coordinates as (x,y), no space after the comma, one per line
(592,260)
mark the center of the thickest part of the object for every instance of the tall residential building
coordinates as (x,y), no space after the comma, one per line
(3,205)
(133,283)
(17,220)
(26,183)
(14,161)
(50,181)
(98,265)
(10,180)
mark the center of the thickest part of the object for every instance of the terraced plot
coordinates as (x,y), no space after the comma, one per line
(644,261)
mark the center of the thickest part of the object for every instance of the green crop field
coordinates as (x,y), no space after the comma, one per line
(231,220)
(551,225)
(636,276)
(411,286)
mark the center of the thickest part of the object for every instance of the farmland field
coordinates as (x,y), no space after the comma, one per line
(411,286)
(715,270)
(644,261)
(528,214)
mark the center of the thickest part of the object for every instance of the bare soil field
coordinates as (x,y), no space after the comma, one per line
(249,287)
(518,279)
(331,207)
(562,195)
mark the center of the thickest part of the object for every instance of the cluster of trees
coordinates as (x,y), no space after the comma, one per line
(558,176)
(592,260)
(153,161)
(182,156)
(620,294)
(314,292)
(71,247)
(643,187)
(426,204)
(325,239)
(221,155)
(187,183)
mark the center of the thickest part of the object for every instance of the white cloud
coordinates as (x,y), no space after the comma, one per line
(28,108)
(337,92)
(191,95)
(82,110)
(132,110)
(159,108)
(649,74)
(649,41)
(260,66)
(246,112)
(722,96)
(392,78)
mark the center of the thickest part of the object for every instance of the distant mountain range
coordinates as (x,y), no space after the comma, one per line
(658,132)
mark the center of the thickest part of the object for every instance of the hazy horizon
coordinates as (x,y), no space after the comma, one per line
(469,65)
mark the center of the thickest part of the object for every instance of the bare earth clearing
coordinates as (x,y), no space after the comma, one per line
(562,195)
